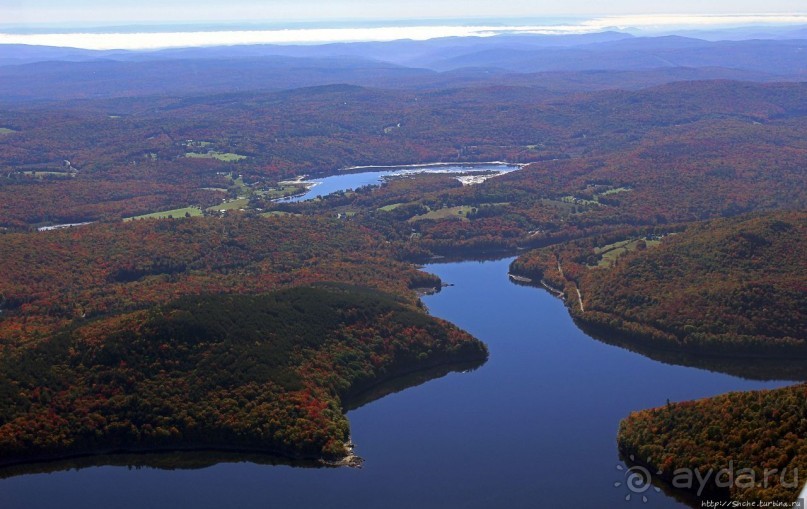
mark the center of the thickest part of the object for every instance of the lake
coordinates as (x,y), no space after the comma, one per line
(375,175)
(533,427)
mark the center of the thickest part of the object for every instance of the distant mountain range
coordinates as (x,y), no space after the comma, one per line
(562,63)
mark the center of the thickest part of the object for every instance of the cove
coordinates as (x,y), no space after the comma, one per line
(533,427)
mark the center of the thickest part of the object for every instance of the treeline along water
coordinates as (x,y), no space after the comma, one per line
(534,427)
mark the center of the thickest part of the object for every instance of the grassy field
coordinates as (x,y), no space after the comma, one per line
(193,143)
(557,204)
(611,252)
(278,213)
(578,201)
(238,182)
(6,130)
(460,212)
(238,203)
(40,174)
(393,206)
(615,191)
(283,191)
(176,213)
(227,157)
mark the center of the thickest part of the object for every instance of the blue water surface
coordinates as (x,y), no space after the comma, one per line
(373,177)
(535,427)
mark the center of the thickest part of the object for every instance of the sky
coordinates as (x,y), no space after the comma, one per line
(131,24)
(154,11)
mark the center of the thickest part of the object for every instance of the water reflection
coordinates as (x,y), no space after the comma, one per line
(199,459)
(535,426)
(749,368)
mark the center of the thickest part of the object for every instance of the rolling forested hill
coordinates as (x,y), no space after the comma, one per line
(733,287)
(263,373)
(758,439)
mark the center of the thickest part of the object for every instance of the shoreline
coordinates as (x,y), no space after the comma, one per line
(273,454)
(728,352)
(429,165)
(309,184)
(605,333)
(268,452)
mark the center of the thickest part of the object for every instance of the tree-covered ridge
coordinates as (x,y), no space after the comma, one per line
(79,163)
(262,372)
(662,176)
(745,434)
(729,286)
(731,283)
(49,279)
(156,334)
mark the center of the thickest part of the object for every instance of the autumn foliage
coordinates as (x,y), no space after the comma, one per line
(262,373)
(758,439)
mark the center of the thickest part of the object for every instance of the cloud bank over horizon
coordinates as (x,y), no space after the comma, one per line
(104,12)
(155,39)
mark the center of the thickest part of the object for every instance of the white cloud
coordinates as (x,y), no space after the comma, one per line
(154,40)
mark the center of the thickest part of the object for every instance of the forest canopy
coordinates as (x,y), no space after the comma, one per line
(262,373)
